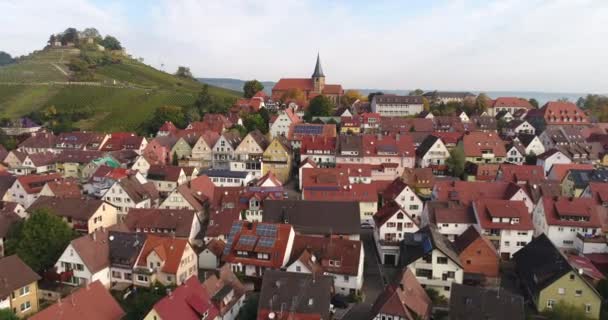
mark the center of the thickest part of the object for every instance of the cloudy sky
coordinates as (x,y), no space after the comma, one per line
(530,45)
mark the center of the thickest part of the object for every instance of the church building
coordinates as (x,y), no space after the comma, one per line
(310,87)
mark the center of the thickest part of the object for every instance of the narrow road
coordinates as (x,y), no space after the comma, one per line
(60,70)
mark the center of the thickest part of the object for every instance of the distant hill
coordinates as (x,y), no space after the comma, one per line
(234,84)
(121,96)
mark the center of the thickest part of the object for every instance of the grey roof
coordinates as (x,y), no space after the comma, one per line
(318,69)
(525,139)
(315,217)
(426,145)
(417,245)
(467,302)
(125,247)
(81,209)
(224,173)
(299,293)
(391,98)
(6,182)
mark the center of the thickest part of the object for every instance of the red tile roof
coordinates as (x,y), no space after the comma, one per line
(387,211)
(467,191)
(476,142)
(583,263)
(523,173)
(168,127)
(511,102)
(34,183)
(559,170)
(599,191)
(190,301)
(333,89)
(487,209)
(93,302)
(399,145)
(65,188)
(563,113)
(560,212)
(347,252)
(407,299)
(284,84)
(171,250)
(248,236)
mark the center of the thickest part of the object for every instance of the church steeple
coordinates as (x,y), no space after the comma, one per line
(318,78)
(318,69)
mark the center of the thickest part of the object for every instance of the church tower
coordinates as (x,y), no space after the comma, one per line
(318,78)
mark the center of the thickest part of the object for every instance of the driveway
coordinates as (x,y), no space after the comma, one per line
(373,282)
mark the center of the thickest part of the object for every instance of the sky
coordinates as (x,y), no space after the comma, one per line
(480,45)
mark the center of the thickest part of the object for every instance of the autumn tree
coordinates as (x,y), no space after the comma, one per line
(426,105)
(250,88)
(482,103)
(293,94)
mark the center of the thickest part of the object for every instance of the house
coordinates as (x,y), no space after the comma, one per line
(189,301)
(253,248)
(312,218)
(561,219)
(298,131)
(483,123)
(465,192)
(548,278)
(166,178)
(228,178)
(86,260)
(226,291)
(125,141)
(167,129)
(248,154)
(142,164)
(192,195)
(279,125)
(14,159)
(38,142)
(478,255)
(421,180)
(284,294)
(320,150)
(483,147)
(391,224)
(389,105)
(211,256)
(277,158)
(432,153)
(21,126)
(170,261)
(124,251)
(91,302)
(404,196)
(558,113)
(84,215)
(531,143)
(178,223)
(340,258)
(158,149)
(62,189)
(507,224)
(482,171)
(19,290)
(73,163)
(80,140)
(224,149)
(551,157)
(509,104)
(438,97)
(26,189)
(468,302)
(182,149)
(224,209)
(131,192)
(202,151)
(520,174)
(310,87)
(405,300)
(103,178)
(559,171)
(254,197)
(35,163)
(576,181)
(10,214)
(597,191)
(451,219)
(516,152)
(517,127)
(433,259)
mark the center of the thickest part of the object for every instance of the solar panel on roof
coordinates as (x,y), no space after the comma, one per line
(266,242)
(247,241)
(266,230)
(308,130)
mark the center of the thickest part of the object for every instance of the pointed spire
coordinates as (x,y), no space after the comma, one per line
(318,70)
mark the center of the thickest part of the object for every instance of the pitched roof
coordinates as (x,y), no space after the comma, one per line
(39,141)
(189,301)
(347,252)
(511,102)
(523,173)
(468,302)
(137,191)
(560,212)
(7,219)
(304,295)
(563,113)
(476,142)
(493,212)
(81,209)
(405,299)
(467,191)
(14,274)
(418,244)
(65,188)
(93,302)
(468,237)
(426,145)
(387,211)
(312,217)
(94,250)
(125,248)
(177,221)
(34,183)
(164,173)
(559,170)
(172,248)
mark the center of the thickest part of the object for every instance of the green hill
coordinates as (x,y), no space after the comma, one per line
(120,96)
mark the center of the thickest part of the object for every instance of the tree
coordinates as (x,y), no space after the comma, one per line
(565,311)
(293,94)
(207,103)
(41,240)
(319,106)
(139,303)
(91,33)
(250,88)
(563,99)
(426,105)
(456,161)
(249,310)
(183,72)
(174,114)
(5,58)
(255,121)
(350,97)
(417,92)
(481,103)
(533,102)
(371,95)
(7,314)
(69,35)
(111,43)
(7,141)
(175,159)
